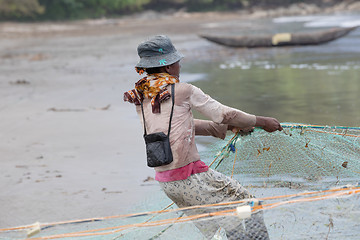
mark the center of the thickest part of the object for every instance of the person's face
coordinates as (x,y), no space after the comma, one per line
(174,69)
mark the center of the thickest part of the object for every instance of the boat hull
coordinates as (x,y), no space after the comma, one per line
(282,39)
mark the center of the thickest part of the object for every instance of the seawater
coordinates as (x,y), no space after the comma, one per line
(309,84)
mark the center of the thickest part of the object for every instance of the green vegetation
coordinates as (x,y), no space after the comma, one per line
(19,9)
(23,10)
(77,9)
(66,9)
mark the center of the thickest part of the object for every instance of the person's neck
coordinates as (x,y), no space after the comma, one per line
(164,74)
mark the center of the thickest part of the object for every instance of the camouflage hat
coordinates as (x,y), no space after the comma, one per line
(157,51)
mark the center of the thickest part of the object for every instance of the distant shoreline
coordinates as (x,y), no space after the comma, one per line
(147,18)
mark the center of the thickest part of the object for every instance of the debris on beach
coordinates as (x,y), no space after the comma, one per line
(148,179)
(20,82)
(102,108)
(53,109)
(66,110)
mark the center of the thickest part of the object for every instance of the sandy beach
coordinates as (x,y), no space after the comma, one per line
(71,148)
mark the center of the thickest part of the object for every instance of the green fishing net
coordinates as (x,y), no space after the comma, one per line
(301,155)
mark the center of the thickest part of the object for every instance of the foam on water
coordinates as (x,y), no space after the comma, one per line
(334,22)
(322,21)
(268,65)
(296,19)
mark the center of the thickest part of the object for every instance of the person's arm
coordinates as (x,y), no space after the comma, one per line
(222,114)
(269,124)
(210,128)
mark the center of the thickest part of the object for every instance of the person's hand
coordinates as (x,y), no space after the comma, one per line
(269,124)
(242,131)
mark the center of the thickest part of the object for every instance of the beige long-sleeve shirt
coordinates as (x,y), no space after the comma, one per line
(184,127)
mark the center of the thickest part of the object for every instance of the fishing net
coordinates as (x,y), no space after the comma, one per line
(305,180)
(300,156)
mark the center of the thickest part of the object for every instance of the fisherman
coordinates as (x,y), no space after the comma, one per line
(186,180)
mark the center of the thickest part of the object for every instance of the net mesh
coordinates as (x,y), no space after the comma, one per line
(300,156)
(305,179)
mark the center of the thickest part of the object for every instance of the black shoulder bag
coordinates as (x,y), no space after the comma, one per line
(158,149)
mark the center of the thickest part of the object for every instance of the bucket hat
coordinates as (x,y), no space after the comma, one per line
(157,51)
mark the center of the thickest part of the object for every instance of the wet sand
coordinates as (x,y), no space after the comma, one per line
(71,148)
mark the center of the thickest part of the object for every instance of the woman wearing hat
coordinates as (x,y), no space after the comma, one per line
(165,107)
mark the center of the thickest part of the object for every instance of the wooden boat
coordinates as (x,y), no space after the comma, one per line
(281,39)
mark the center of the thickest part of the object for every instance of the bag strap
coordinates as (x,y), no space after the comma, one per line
(142,110)
(172,109)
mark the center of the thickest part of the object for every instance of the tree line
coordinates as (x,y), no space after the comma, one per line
(35,10)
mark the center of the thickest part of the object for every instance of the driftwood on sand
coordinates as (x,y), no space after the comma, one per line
(281,39)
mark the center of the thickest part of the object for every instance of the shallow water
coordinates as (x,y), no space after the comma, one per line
(309,84)
(313,85)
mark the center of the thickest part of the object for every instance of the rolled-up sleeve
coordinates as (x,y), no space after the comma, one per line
(218,112)
(210,128)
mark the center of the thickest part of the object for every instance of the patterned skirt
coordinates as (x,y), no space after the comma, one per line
(212,187)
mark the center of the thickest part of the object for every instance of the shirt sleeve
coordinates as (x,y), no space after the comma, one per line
(218,112)
(210,128)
